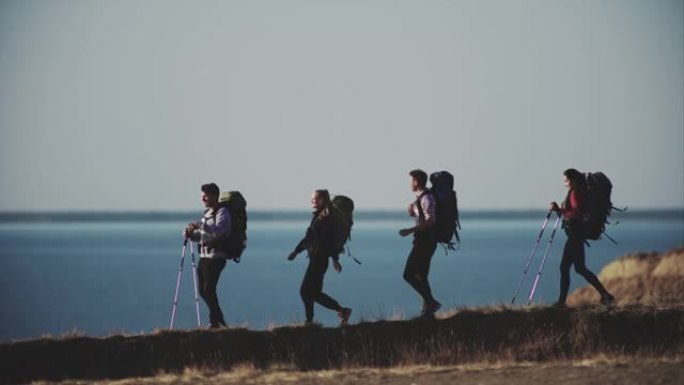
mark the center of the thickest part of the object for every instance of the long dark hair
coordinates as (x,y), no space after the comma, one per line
(325,195)
(577,180)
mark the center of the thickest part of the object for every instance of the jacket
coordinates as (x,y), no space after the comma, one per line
(211,227)
(320,237)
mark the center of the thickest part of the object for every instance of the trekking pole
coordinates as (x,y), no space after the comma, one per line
(529,260)
(178,280)
(194,281)
(349,254)
(546,253)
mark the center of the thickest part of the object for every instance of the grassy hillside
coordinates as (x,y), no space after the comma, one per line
(640,278)
(647,328)
(467,336)
(596,371)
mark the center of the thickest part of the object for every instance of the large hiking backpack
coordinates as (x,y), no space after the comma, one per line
(598,206)
(447,208)
(236,242)
(342,214)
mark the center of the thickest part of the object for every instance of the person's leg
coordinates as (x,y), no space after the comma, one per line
(202,277)
(565,265)
(410,268)
(317,286)
(323,299)
(218,267)
(308,291)
(418,268)
(581,269)
(208,272)
(427,250)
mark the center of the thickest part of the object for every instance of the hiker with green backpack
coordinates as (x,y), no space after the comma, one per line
(221,236)
(584,216)
(322,242)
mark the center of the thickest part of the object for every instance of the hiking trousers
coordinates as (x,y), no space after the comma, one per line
(573,254)
(418,267)
(208,272)
(312,287)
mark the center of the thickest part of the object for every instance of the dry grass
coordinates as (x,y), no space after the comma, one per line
(600,369)
(585,344)
(640,278)
(466,336)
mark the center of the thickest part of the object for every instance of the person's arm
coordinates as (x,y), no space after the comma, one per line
(302,245)
(220,228)
(428,204)
(221,225)
(195,235)
(192,231)
(576,202)
(411,209)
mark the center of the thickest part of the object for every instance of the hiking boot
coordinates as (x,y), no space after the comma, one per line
(430,309)
(608,300)
(213,325)
(559,305)
(344,315)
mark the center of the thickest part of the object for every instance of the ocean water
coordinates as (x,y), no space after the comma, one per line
(103,275)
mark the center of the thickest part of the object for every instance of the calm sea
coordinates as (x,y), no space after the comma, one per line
(102,274)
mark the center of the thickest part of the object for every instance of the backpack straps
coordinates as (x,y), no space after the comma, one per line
(421,214)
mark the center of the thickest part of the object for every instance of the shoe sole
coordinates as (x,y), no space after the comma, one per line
(436,309)
(345,318)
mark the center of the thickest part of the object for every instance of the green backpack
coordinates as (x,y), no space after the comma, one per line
(235,243)
(342,214)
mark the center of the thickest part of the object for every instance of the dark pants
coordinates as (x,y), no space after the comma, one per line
(312,287)
(418,267)
(573,254)
(208,272)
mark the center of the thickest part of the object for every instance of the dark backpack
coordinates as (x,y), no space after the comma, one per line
(236,242)
(598,206)
(446,211)
(342,215)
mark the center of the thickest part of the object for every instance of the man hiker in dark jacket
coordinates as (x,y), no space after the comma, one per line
(319,241)
(424,242)
(215,223)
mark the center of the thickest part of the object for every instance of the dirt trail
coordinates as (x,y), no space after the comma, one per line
(586,372)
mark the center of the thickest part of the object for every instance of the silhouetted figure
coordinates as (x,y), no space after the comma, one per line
(573,252)
(424,242)
(319,242)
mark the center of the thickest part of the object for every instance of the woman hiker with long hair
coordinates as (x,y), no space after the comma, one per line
(573,252)
(318,242)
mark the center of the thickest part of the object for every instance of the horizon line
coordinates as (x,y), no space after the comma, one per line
(284,214)
(297,210)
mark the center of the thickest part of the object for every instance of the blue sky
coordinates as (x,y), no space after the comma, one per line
(131,105)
